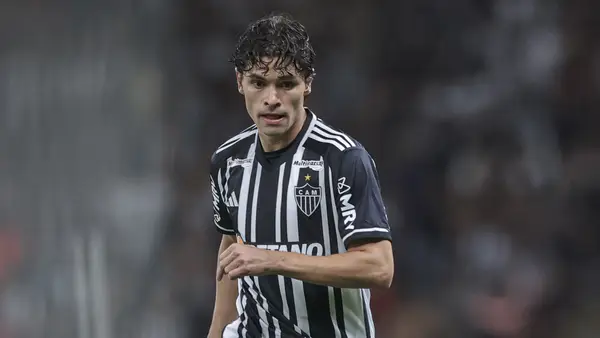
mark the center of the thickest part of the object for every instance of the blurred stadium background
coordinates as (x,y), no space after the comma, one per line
(481,116)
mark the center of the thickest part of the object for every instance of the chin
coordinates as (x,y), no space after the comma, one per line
(273,131)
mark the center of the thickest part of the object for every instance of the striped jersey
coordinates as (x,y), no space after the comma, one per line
(314,197)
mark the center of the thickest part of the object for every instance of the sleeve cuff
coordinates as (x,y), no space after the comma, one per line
(224,231)
(371,233)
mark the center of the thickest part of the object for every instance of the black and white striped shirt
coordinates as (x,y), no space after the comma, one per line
(319,195)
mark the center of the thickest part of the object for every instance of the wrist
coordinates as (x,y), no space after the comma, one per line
(277,263)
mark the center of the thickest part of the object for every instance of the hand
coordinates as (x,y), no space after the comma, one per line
(241,260)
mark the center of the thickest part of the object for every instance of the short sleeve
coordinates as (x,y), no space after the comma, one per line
(361,211)
(221,215)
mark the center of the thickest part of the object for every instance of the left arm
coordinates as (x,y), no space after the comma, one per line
(363,226)
(369,265)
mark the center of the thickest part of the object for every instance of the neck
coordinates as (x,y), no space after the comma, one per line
(274,143)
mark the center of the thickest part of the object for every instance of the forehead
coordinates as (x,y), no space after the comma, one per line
(273,68)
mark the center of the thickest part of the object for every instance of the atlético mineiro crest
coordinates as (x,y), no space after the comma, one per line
(308,198)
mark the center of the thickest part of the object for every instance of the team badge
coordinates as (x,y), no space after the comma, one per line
(308,198)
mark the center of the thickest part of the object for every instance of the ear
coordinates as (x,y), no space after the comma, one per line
(308,82)
(238,78)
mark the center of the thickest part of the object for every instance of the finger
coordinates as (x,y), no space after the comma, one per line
(238,272)
(232,266)
(226,260)
(220,273)
(232,248)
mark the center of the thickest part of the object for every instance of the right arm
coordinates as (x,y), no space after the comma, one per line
(225,311)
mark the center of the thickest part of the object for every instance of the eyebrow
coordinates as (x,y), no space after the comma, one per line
(286,77)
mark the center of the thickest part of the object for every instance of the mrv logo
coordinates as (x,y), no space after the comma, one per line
(348,210)
(310,249)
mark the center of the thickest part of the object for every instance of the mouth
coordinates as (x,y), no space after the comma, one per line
(272,118)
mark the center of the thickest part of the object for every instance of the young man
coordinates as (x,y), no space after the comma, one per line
(305,233)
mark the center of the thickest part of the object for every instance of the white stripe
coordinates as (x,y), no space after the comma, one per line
(241,135)
(281,279)
(245,322)
(308,130)
(238,301)
(324,133)
(244,196)
(333,131)
(284,302)
(367,299)
(354,319)
(254,204)
(332,142)
(364,230)
(235,140)
(278,204)
(293,237)
(327,245)
(292,210)
(300,305)
(231,329)
(227,175)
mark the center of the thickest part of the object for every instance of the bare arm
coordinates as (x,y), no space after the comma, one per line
(369,265)
(225,311)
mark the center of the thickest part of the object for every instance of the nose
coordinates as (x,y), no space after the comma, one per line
(272,99)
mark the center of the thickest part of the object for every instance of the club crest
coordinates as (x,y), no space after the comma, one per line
(308,198)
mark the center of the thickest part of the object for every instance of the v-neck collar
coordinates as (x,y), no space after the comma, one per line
(291,149)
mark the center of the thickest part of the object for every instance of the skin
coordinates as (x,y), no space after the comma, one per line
(278,94)
(364,265)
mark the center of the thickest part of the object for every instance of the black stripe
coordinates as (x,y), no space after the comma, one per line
(243,315)
(337,293)
(253,327)
(261,302)
(339,311)
(289,293)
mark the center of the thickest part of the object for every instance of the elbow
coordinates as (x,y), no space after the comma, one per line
(382,273)
(384,277)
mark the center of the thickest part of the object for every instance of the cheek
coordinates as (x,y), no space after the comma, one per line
(295,98)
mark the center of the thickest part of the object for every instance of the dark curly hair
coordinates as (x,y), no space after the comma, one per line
(279,36)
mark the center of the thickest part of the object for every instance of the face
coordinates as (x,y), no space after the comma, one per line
(275,99)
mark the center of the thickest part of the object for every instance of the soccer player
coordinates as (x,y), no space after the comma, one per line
(305,232)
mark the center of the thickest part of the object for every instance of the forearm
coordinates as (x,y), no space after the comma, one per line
(353,269)
(225,311)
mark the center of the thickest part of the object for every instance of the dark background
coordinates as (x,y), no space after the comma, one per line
(481,116)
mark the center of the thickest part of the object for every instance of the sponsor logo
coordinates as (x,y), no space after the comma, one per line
(244,162)
(215,197)
(308,198)
(348,210)
(314,165)
(309,249)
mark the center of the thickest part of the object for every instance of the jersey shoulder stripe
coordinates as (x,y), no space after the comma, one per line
(231,146)
(325,134)
(244,134)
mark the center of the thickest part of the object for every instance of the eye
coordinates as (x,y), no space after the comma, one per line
(287,85)
(257,83)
